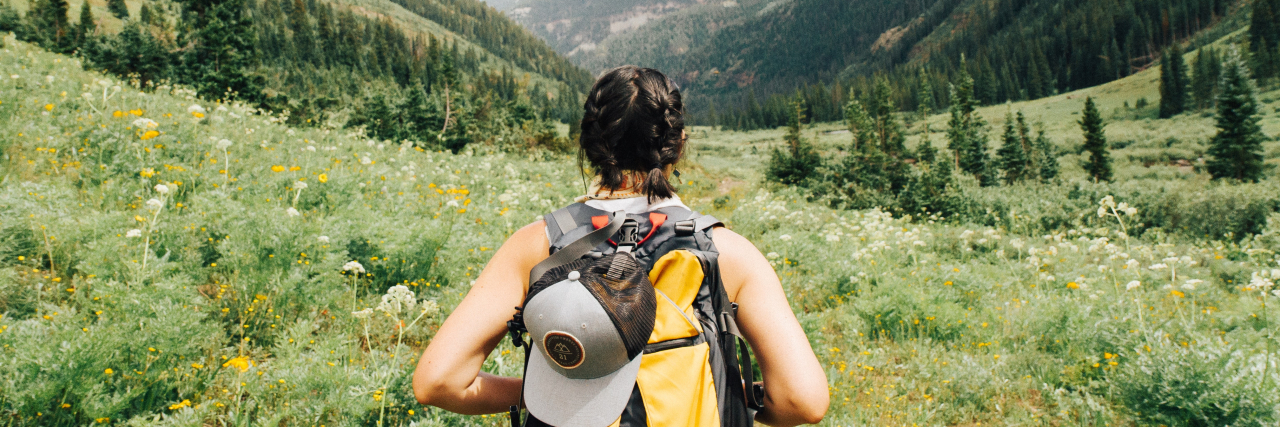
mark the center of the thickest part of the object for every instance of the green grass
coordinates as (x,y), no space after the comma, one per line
(229,310)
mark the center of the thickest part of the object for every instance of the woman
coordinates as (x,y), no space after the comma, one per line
(633,134)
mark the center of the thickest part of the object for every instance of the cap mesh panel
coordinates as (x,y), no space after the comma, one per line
(622,286)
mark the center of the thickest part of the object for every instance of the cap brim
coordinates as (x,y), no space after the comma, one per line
(566,402)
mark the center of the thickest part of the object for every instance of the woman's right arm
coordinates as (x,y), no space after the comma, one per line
(795,385)
(448,374)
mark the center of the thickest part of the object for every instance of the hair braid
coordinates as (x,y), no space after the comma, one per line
(633,120)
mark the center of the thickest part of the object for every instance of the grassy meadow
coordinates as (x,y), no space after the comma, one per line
(166,260)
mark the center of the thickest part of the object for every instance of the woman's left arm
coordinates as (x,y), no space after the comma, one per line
(448,374)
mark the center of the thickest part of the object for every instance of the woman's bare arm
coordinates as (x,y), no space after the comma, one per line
(448,374)
(796,386)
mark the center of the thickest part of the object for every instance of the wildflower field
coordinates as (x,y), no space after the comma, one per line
(166,260)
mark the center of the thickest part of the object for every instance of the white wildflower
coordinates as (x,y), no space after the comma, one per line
(833,238)
(366,160)
(772,255)
(145,123)
(1158,267)
(1109,202)
(362,314)
(134,233)
(299,185)
(163,189)
(223,144)
(397,300)
(154,204)
(1133,263)
(1191,284)
(1131,211)
(323,239)
(1132,285)
(49,78)
(353,266)
(196,108)
(784,237)
(292,212)
(430,308)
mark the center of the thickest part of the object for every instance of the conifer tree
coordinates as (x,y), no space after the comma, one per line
(223,57)
(144,15)
(1264,25)
(1013,157)
(1173,82)
(1098,165)
(49,24)
(924,96)
(859,123)
(422,119)
(118,8)
(87,26)
(888,130)
(1204,78)
(1048,157)
(800,161)
(1028,146)
(1236,150)
(967,135)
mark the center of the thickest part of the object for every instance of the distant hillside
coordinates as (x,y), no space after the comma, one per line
(726,54)
(440,73)
(575,27)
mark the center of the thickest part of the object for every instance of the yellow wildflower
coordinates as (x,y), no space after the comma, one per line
(117,114)
(323,178)
(242,363)
(277,168)
(147,173)
(150,134)
(108,371)
(48,107)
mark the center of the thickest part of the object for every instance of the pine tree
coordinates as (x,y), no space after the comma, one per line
(967,135)
(118,8)
(924,96)
(1048,157)
(1266,63)
(223,57)
(422,118)
(1173,82)
(1028,147)
(859,124)
(1264,25)
(144,15)
(1236,150)
(1204,79)
(87,26)
(1013,157)
(1098,165)
(304,42)
(50,27)
(888,130)
(800,161)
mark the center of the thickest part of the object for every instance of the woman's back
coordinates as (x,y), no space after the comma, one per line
(632,138)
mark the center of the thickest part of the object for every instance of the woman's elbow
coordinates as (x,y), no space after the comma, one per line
(427,388)
(812,410)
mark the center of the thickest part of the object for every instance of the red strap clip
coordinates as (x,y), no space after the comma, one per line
(655,218)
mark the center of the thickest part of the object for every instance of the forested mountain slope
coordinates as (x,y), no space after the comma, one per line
(439,73)
(725,54)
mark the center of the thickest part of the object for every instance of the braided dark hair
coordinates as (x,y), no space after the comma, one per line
(634,121)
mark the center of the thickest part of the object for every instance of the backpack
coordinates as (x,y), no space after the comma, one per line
(696,368)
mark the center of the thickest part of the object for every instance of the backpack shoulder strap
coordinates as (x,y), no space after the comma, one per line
(579,247)
(696,223)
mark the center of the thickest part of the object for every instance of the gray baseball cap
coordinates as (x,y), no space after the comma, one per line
(589,330)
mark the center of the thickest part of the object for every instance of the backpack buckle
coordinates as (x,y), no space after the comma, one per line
(629,236)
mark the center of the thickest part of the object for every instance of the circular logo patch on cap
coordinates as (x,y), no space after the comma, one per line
(563,349)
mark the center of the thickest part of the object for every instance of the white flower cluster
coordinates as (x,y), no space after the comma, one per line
(223,144)
(145,123)
(353,266)
(1264,280)
(154,204)
(1110,203)
(399,299)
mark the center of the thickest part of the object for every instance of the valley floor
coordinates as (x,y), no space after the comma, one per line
(162,267)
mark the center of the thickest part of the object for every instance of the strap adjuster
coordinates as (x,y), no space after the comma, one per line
(685,228)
